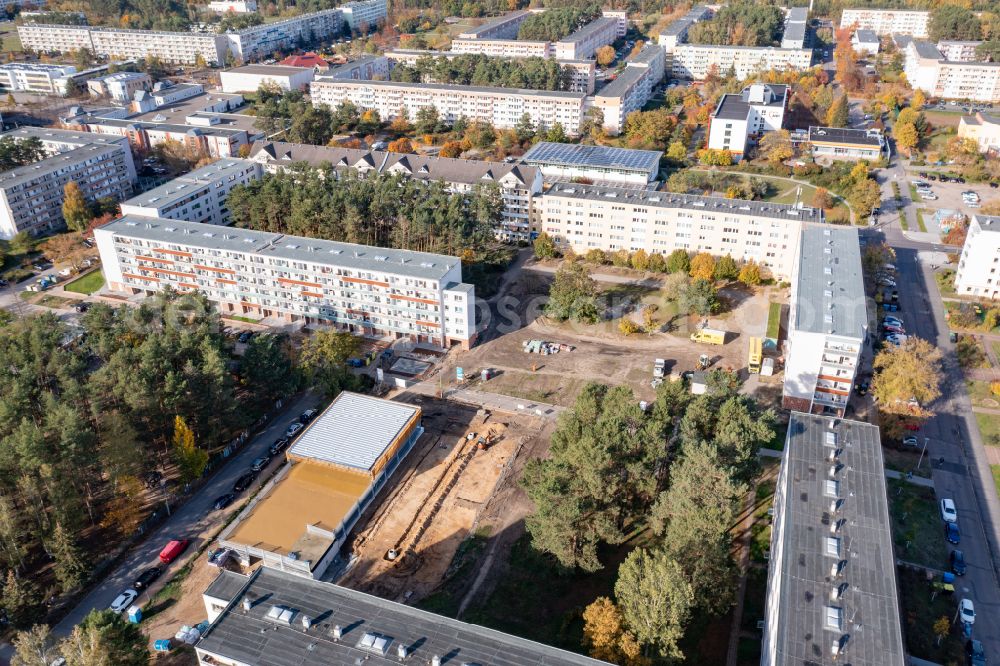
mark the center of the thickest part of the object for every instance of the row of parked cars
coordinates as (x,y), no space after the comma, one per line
(949,514)
(170,552)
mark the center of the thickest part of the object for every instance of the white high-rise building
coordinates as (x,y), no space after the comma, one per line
(978,271)
(887,21)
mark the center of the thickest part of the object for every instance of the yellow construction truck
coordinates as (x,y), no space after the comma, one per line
(712,336)
(756,355)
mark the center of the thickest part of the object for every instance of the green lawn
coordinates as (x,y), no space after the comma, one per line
(774,321)
(8,33)
(981,395)
(996,476)
(919,615)
(946,282)
(989,428)
(87,284)
(916,525)
(920,218)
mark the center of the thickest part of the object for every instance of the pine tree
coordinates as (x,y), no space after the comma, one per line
(70,566)
(22,600)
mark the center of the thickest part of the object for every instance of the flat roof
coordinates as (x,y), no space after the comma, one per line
(646,55)
(64,136)
(226,585)
(862,618)
(499,20)
(307,495)
(354,431)
(796,31)
(829,289)
(686,201)
(183,185)
(252,638)
(988,222)
(605,157)
(926,50)
(866,37)
(213,237)
(684,22)
(855,137)
(797,15)
(623,82)
(586,31)
(267,70)
(56,162)
(453,88)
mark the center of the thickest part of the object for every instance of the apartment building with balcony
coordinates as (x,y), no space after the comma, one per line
(31,196)
(504,48)
(260,41)
(518,183)
(827,323)
(887,21)
(35,77)
(235,6)
(927,69)
(198,196)
(585,217)
(696,61)
(364,15)
(958,51)
(371,291)
(676,32)
(982,128)
(632,88)
(583,43)
(501,107)
(120,86)
(978,272)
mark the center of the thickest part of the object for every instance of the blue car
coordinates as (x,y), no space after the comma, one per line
(951,532)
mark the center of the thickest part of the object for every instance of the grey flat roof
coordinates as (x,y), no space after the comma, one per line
(268,70)
(423,167)
(646,54)
(796,31)
(625,80)
(169,127)
(686,201)
(583,33)
(226,585)
(183,185)
(901,41)
(453,88)
(869,630)
(252,638)
(64,136)
(866,37)
(78,155)
(988,222)
(732,107)
(926,50)
(797,15)
(845,135)
(354,431)
(829,290)
(509,16)
(213,237)
(571,154)
(684,22)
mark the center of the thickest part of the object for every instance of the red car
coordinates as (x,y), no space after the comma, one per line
(172,550)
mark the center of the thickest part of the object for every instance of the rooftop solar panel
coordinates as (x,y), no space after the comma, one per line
(594,156)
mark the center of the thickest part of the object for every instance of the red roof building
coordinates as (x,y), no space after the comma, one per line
(306,60)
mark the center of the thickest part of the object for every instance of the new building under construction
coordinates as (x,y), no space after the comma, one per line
(339,464)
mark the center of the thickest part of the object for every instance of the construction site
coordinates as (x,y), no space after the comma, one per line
(466,458)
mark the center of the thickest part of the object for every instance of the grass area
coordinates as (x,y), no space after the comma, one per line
(944,118)
(946,282)
(996,347)
(989,428)
(542,601)
(774,321)
(784,192)
(244,319)
(905,460)
(981,395)
(971,353)
(87,284)
(50,301)
(169,594)
(458,578)
(920,612)
(920,219)
(916,524)
(754,599)
(760,531)
(8,33)
(996,476)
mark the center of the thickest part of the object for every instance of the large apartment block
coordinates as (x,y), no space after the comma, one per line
(978,271)
(364,15)
(199,196)
(36,77)
(983,129)
(498,38)
(741,119)
(260,41)
(632,88)
(828,322)
(504,48)
(518,183)
(696,61)
(887,21)
(584,42)
(365,290)
(31,196)
(501,107)
(831,588)
(927,70)
(585,217)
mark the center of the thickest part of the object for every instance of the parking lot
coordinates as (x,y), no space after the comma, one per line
(949,196)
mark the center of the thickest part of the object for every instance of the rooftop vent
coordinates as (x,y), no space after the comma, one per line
(247,604)
(281,615)
(377,643)
(306,622)
(833,547)
(401,651)
(833,617)
(832,488)
(338,632)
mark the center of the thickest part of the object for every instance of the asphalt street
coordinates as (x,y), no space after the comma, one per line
(194,520)
(953,433)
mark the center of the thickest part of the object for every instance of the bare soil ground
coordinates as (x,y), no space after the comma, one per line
(179,604)
(437,501)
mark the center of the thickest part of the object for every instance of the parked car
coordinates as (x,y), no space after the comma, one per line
(173,549)
(219,557)
(948,512)
(81,307)
(307,416)
(147,577)
(152,479)
(278,446)
(244,482)
(123,600)
(293,430)
(975,655)
(223,501)
(892,321)
(966,611)
(245,337)
(910,441)
(957,558)
(951,533)
(260,463)
(889,328)
(895,339)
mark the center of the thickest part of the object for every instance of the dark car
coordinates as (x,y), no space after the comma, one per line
(307,416)
(223,501)
(994,185)
(958,562)
(245,337)
(278,446)
(975,655)
(81,307)
(147,577)
(152,479)
(951,533)
(244,482)
(260,463)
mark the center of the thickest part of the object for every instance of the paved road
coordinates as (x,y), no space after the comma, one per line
(953,433)
(193,520)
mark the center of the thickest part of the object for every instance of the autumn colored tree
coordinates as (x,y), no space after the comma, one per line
(776,146)
(911,371)
(191,459)
(750,274)
(605,635)
(906,136)
(75,209)
(605,55)
(702,266)
(401,145)
(451,149)
(918,100)
(822,199)
(836,115)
